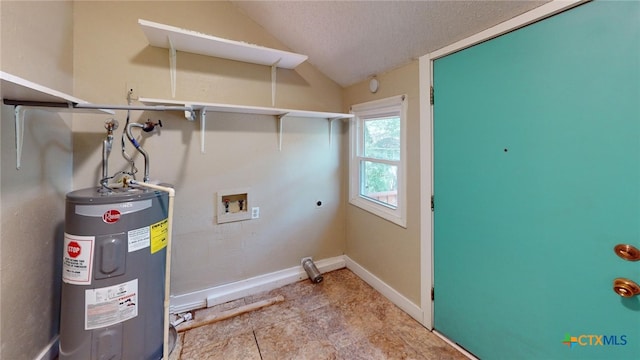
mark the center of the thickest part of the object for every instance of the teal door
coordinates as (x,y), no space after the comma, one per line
(536,179)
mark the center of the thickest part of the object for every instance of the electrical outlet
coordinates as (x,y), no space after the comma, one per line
(255,212)
(132,91)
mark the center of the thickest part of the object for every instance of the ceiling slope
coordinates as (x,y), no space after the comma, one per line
(350,41)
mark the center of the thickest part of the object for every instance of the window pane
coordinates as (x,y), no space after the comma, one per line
(382,138)
(380,182)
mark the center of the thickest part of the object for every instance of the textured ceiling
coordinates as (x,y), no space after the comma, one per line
(350,41)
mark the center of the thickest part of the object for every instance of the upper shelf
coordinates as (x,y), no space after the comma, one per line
(166,36)
(245,109)
(17,88)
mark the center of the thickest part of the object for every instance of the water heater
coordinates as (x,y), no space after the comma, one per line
(113,274)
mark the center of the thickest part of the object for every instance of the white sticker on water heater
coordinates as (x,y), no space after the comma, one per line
(139,238)
(77,260)
(110,305)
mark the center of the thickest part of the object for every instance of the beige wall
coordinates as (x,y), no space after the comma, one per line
(36,44)
(390,252)
(36,41)
(241,150)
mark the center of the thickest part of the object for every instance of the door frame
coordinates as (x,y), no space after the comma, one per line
(426,136)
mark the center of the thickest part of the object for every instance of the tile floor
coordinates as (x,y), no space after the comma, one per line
(339,318)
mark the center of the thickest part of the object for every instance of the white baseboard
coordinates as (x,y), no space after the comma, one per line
(228,292)
(50,352)
(390,293)
(456,346)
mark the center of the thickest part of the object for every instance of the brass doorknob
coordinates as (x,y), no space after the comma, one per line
(625,287)
(627,252)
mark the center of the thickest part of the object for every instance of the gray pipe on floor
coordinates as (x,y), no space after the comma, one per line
(314,274)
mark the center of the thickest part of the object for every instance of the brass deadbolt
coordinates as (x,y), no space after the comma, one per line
(627,252)
(625,287)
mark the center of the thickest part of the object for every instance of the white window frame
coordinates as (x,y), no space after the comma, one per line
(392,106)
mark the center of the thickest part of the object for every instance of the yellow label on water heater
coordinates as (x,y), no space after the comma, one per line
(159,235)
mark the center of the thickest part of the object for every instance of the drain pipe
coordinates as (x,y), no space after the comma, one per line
(167,271)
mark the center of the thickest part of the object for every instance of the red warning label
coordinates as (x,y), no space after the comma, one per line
(77,259)
(73,249)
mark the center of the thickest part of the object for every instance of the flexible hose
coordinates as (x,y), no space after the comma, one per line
(124,152)
(146,127)
(139,148)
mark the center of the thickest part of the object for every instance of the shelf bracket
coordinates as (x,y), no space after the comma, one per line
(203,119)
(331,129)
(274,72)
(18,114)
(172,66)
(190,114)
(280,125)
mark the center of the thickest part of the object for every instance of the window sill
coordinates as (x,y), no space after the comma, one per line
(392,215)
